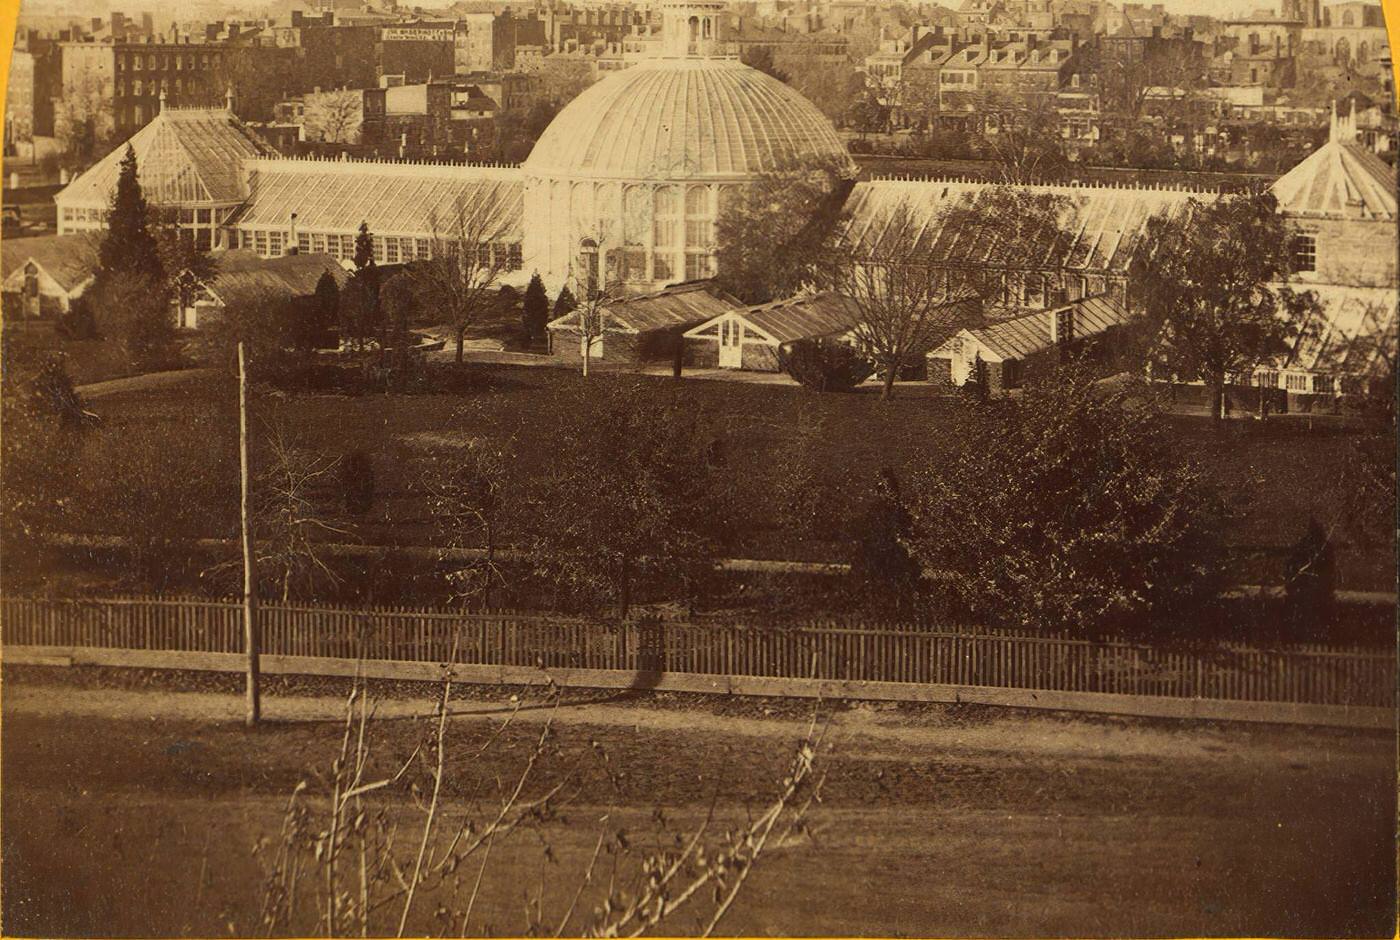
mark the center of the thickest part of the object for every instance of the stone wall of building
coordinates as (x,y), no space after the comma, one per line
(1352,251)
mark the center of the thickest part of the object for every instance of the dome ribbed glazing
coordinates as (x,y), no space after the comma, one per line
(685,119)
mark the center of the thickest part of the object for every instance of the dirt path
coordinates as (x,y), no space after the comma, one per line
(871,727)
(942,821)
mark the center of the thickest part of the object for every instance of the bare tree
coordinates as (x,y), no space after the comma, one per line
(290,527)
(902,307)
(470,254)
(335,117)
(466,495)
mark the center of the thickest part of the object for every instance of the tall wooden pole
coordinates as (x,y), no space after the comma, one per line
(250,629)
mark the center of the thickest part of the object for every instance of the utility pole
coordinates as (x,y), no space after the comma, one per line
(250,628)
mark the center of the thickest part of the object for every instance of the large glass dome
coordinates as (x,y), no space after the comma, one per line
(684,119)
(624,187)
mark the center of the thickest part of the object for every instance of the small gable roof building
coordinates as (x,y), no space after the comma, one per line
(235,272)
(641,328)
(43,275)
(1008,348)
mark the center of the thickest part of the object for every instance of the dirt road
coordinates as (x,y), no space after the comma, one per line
(942,821)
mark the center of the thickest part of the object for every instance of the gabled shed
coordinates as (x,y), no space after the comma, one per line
(642,328)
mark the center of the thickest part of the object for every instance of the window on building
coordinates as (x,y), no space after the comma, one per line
(391,251)
(1295,382)
(1304,254)
(514,259)
(136,87)
(151,62)
(1035,290)
(303,242)
(697,265)
(423,249)
(274,243)
(1266,379)
(698,223)
(260,242)
(663,266)
(1324,384)
(179,63)
(136,63)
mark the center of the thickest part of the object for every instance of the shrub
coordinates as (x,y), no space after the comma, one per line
(824,365)
(1069,508)
(357,482)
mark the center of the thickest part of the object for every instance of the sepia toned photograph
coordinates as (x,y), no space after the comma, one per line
(811,468)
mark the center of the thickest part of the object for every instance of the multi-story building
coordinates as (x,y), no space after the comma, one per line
(419,51)
(1263,51)
(181,74)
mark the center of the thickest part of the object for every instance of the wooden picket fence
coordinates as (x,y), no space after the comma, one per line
(1309,674)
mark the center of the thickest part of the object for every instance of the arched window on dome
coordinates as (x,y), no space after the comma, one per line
(587,273)
(694,28)
(636,216)
(666,210)
(699,232)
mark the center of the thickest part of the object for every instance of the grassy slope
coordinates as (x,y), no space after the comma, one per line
(1274,477)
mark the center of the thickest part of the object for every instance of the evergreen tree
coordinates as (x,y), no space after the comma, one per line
(129,246)
(564,303)
(535,313)
(364,248)
(975,387)
(325,311)
(882,567)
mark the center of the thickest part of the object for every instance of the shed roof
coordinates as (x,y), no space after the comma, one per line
(679,305)
(183,156)
(1354,333)
(1023,336)
(238,270)
(71,260)
(393,198)
(1102,226)
(825,314)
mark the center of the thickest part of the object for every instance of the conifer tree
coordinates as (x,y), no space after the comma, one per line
(564,303)
(535,311)
(130,245)
(975,387)
(364,248)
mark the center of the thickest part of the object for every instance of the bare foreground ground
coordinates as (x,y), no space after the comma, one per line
(133,811)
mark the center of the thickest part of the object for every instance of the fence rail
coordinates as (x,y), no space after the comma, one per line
(1305,674)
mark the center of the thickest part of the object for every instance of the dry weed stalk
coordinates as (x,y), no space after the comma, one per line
(339,858)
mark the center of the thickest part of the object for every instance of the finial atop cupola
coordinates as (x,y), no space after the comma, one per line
(692,28)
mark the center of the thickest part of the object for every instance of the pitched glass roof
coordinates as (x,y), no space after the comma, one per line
(393,198)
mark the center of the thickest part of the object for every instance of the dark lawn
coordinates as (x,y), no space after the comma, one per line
(1274,476)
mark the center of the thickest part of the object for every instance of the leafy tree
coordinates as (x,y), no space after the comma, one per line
(357,482)
(824,365)
(1068,507)
(883,568)
(1310,584)
(133,310)
(761,58)
(1207,285)
(535,310)
(769,236)
(264,320)
(634,493)
(866,114)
